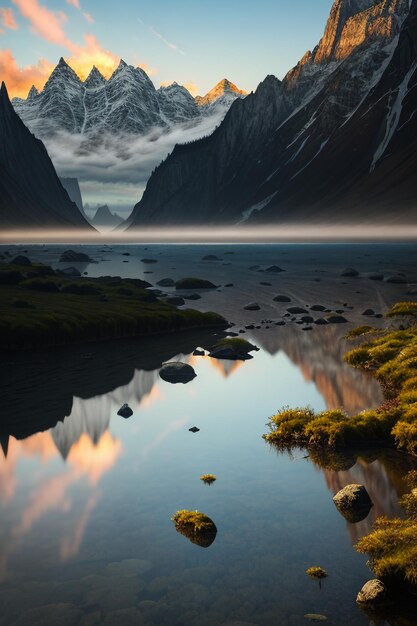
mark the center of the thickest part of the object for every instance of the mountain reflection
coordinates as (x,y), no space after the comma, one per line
(319,356)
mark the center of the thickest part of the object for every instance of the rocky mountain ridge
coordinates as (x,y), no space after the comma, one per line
(127,102)
(270,158)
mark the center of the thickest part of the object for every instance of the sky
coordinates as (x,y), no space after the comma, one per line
(194,42)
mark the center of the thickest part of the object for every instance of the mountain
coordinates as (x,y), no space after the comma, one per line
(326,142)
(103,218)
(126,103)
(222,95)
(31,194)
(72,188)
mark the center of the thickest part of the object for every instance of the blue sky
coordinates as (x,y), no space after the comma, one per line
(190,41)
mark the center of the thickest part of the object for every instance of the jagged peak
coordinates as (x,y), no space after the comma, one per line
(33,92)
(95,77)
(62,63)
(223,87)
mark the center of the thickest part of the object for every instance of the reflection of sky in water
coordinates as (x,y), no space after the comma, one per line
(93,531)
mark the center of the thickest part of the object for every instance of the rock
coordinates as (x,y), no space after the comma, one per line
(274,269)
(148,261)
(175,300)
(280,323)
(177,372)
(375,276)
(320,321)
(125,253)
(229,285)
(70,271)
(349,272)
(317,307)
(194,283)
(281,298)
(296,310)
(196,526)
(125,411)
(192,296)
(397,279)
(166,282)
(21,260)
(210,257)
(252,306)
(198,352)
(373,593)
(307,319)
(336,319)
(266,284)
(369,312)
(194,429)
(70,256)
(307,328)
(353,502)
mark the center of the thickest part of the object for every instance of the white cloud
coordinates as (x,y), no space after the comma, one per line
(120,166)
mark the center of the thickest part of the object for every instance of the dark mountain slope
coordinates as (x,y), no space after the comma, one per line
(31,194)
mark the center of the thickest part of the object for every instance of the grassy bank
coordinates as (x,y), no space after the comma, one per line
(40,308)
(391,357)
(392,545)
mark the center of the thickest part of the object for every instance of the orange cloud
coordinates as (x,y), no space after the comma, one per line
(7,18)
(45,23)
(19,80)
(89,18)
(92,53)
(75,3)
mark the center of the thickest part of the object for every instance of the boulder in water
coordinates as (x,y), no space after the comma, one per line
(177,372)
(125,411)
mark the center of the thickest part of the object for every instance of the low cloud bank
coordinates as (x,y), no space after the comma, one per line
(115,169)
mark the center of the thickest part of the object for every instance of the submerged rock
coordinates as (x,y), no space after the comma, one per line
(296,310)
(274,269)
(349,272)
(166,282)
(194,283)
(232,349)
(369,312)
(252,306)
(336,319)
(353,502)
(125,411)
(397,279)
(373,593)
(281,298)
(70,256)
(21,260)
(177,372)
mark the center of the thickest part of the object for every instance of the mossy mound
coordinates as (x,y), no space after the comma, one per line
(392,545)
(392,359)
(194,283)
(316,572)
(196,526)
(232,348)
(208,479)
(64,310)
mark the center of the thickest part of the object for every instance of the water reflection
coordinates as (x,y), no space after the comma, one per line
(89,500)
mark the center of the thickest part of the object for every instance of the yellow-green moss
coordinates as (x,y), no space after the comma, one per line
(392,545)
(317,572)
(193,520)
(62,310)
(392,360)
(208,479)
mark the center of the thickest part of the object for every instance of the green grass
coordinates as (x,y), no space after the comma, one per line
(64,310)
(235,343)
(392,359)
(392,545)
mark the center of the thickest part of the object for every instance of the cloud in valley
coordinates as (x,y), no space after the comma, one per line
(121,166)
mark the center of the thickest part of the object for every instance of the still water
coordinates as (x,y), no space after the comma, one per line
(86,497)
(86,535)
